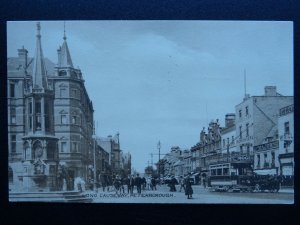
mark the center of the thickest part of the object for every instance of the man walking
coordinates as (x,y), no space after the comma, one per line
(153,184)
(131,184)
(138,182)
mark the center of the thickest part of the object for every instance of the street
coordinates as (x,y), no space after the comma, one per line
(201,195)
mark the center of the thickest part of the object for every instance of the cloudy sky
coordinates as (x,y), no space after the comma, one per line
(165,80)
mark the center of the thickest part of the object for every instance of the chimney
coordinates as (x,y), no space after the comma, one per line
(270,91)
(22,53)
(229,119)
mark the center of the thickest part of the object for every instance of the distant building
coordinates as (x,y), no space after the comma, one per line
(228,140)
(187,168)
(125,163)
(112,146)
(169,161)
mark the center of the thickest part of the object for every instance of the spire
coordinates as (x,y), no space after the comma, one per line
(65,38)
(39,71)
(65,57)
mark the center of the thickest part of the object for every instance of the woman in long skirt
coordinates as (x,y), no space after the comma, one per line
(188,188)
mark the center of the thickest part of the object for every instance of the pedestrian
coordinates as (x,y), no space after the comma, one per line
(138,182)
(204,182)
(143,183)
(117,184)
(153,184)
(188,187)
(122,183)
(181,183)
(103,181)
(131,184)
(148,181)
(172,184)
(126,182)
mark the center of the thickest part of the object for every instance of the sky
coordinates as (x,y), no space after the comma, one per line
(166,80)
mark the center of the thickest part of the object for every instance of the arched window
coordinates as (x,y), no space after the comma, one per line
(38,149)
(27,152)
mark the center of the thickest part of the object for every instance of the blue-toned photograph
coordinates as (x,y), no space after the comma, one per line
(151,111)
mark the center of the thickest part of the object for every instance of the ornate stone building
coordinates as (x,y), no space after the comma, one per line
(50,120)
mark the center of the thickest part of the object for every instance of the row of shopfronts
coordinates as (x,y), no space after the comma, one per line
(257,139)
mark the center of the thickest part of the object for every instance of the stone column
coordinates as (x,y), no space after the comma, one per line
(43,114)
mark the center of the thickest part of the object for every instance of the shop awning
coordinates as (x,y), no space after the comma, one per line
(266,172)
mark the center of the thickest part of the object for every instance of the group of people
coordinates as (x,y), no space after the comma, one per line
(141,183)
(185,184)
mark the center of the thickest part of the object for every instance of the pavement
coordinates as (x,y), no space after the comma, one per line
(201,196)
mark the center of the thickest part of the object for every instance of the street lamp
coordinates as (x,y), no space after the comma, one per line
(95,173)
(158,146)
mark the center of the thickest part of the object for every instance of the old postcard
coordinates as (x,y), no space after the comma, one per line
(162,111)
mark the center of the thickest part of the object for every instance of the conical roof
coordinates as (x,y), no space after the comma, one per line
(65,56)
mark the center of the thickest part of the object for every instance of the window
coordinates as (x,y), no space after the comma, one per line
(12,90)
(286,127)
(63,93)
(223,143)
(63,119)
(225,171)
(213,172)
(258,161)
(38,107)
(13,115)
(247,129)
(74,147)
(47,116)
(265,160)
(62,73)
(13,144)
(74,93)
(241,132)
(63,146)
(232,139)
(30,108)
(241,149)
(73,119)
(247,111)
(240,113)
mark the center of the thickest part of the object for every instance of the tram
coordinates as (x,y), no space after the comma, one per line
(231,176)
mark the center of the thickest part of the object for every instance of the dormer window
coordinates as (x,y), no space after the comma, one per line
(62,73)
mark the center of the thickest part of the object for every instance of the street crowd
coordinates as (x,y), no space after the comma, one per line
(128,184)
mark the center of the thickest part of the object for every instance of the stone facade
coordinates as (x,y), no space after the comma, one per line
(257,137)
(50,120)
(286,140)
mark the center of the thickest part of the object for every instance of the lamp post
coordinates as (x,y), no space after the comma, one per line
(227,152)
(158,146)
(95,169)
